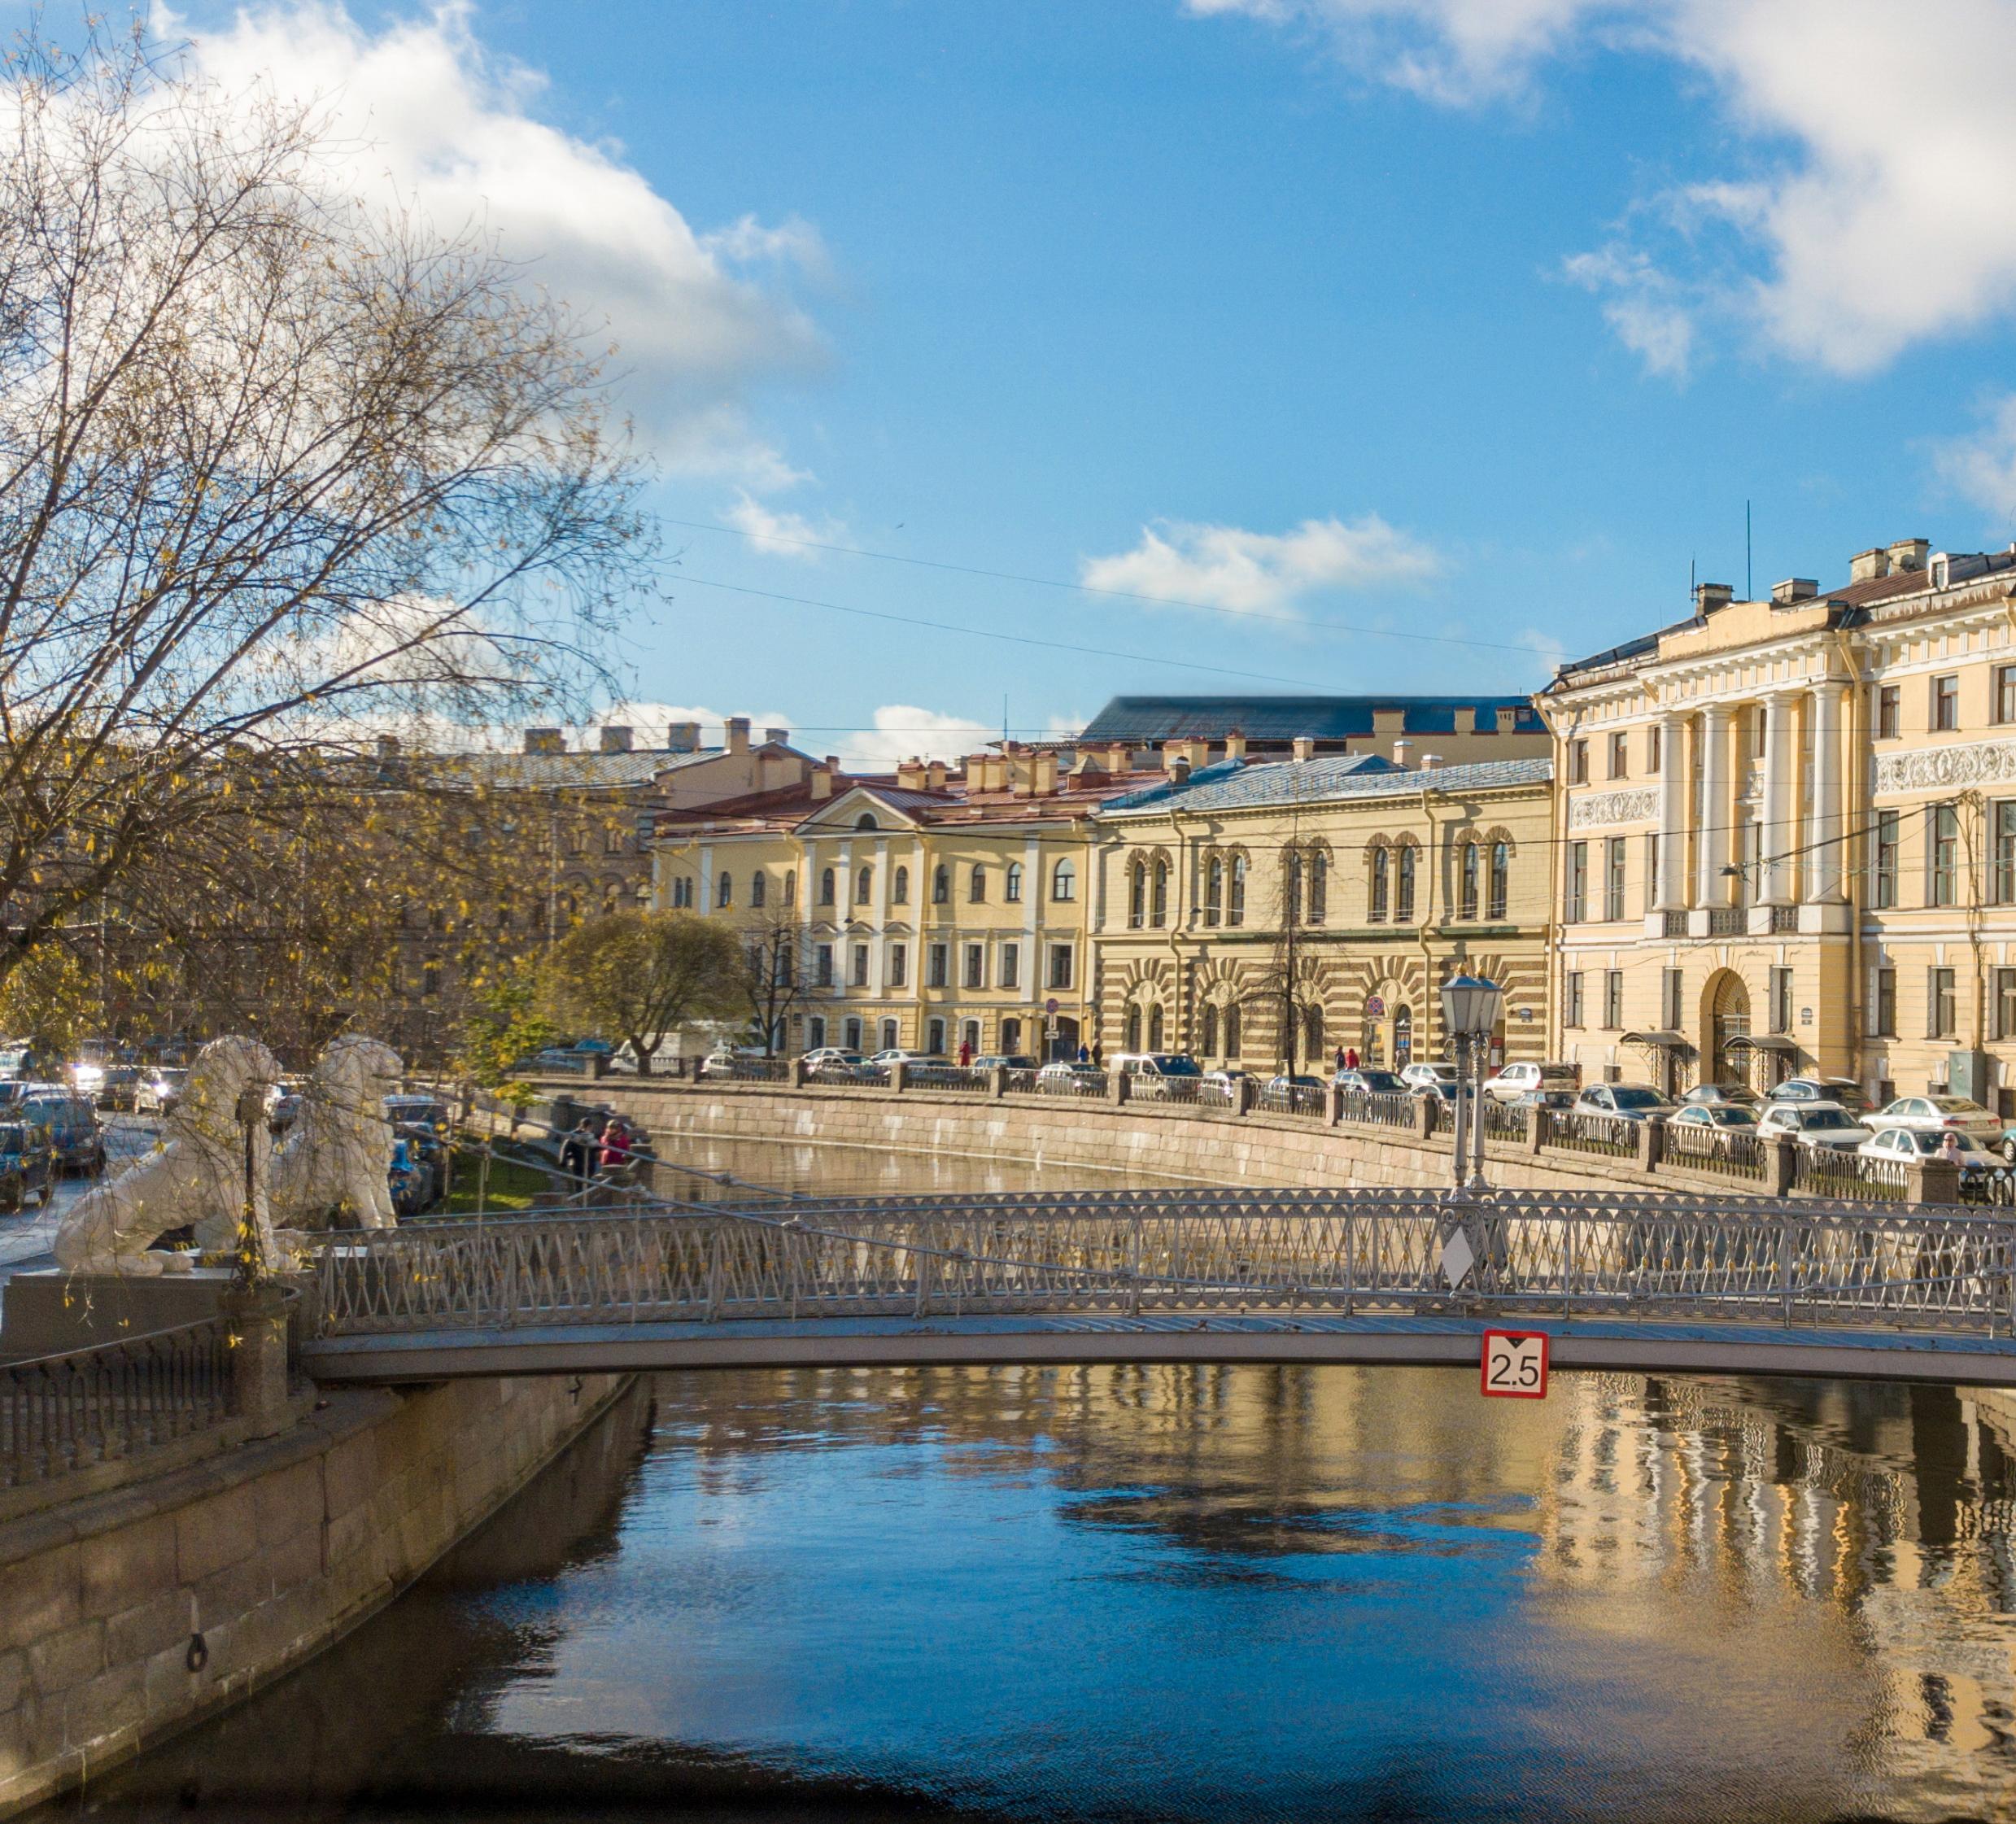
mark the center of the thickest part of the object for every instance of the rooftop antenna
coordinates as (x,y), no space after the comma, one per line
(1690,595)
(1748,594)
(1004,718)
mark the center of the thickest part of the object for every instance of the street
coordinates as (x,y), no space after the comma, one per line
(25,1235)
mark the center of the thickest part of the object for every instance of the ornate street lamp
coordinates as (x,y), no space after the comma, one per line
(1469,1013)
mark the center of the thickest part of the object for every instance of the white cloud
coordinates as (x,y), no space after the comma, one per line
(429,118)
(1226,566)
(1882,215)
(1641,303)
(903,730)
(782,533)
(1983,467)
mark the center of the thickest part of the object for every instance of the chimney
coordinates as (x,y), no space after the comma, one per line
(934,776)
(1305,747)
(615,738)
(822,779)
(1118,759)
(777,737)
(1179,768)
(1865,566)
(388,753)
(738,734)
(1235,744)
(1466,719)
(1909,554)
(1508,718)
(1430,761)
(1795,589)
(910,774)
(1708,597)
(1044,785)
(1400,751)
(682,737)
(1200,754)
(544,740)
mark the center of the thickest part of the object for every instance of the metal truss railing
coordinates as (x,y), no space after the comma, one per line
(1658,1258)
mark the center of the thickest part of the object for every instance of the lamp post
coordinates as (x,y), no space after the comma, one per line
(1469,1014)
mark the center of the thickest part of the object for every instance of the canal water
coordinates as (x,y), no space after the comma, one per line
(1170,1593)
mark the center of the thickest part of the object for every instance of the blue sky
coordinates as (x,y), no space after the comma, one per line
(1471,322)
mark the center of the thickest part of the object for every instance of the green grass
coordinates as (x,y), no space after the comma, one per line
(511,1187)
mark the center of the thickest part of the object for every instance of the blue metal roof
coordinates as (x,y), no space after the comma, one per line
(1282,718)
(1236,785)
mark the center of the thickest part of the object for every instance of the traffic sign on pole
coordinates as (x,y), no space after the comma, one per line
(1515,1364)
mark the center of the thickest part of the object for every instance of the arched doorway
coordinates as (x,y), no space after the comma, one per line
(1728,1020)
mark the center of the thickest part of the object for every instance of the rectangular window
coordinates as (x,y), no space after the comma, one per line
(1572,998)
(2005,693)
(1889,711)
(1578,763)
(1672,1013)
(1780,1000)
(1011,966)
(1613,999)
(1652,872)
(899,965)
(1886,858)
(976,965)
(1060,966)
(822,966)
(937,963)
(1613,878)
(1945,854)
(1882,1002)
(1940,1020)
(1945,703)
(1620,757)
(858,965)
(2004,826)
(2005,1003)
(1655,749)
(1576,905)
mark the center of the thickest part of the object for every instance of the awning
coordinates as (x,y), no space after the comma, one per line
(1761,1041)
(1660,1041)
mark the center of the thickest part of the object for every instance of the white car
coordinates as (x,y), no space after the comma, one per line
(1429,1079)
(1724,1116)
(1940,1114)
(1515,1080)
(1068,1077)
(1926,1143)
(1823,1124)
(835,1060)
(1634,1102)
(1843,1090)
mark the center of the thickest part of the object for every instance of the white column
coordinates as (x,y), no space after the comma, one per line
(1775,836)
(1673,814)
(1824,874)
(1718,808)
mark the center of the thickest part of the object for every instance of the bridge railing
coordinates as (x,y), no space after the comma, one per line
(1575,1130)
(1504,1120)
(1831,1171)
(1155,1252)
(1726,1152)
(958,1079)
(1306,1099)
(1365,1108)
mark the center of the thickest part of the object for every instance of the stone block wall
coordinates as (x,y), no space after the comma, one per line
(128,1614)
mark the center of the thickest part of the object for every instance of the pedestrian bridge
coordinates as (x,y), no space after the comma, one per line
(1629,1280)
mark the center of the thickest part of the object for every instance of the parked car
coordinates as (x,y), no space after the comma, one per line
(1635,1101)
(1424,1079)
(1371,1081)
(118,1086)
(834,1060)
(1721,1095)
(1843,1090)
(1907,1143)
(1825,1124)
(723,1063)
(1517,1081)
(283,1104)
(28,1163)
(879,1063)
(1157,1063)
(1068,1077)
(1004,1061)
(1941,1115)
(158,1091)
(71,1122)
(1229,1080)
(1286,1083)
(1546,1098)
(1724,1117)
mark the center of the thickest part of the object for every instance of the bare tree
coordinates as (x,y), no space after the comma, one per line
(277,468)
(774,974)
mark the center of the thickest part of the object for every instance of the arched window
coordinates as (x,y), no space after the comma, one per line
(1064,880)
(1012,891)
(1137,895)
(1207,1042)
(900,888)
(1501,872)
(759,889)
(1154,1027)
(889,1035)
(825,886)
(1235,898)
(1403,892)
(1319,888)
(1291,890)
(1133,1028)
(791,888)
(1311,1035)
(850,1031)
(866,821)
(940,884)
(976,885)
(1159,902)
(1376,893)
(1214,890)
(1231,1031)
(1467,895)
(864,885)
(724,890)
(611,894)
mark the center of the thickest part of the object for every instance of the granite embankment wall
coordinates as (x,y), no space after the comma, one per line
(127,1615)
(1281,1152)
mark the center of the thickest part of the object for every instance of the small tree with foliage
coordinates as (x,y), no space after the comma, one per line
(504,1028)
(641,975)
(48,1000)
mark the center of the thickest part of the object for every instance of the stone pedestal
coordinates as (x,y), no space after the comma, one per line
(51,1312)
(259,1357)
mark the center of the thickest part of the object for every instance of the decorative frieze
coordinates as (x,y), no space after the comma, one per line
(1977,763)
(1592,810)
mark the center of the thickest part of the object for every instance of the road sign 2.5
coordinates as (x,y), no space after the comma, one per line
(1516,1364)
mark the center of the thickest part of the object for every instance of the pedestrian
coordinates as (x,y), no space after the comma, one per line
(1351,1058)
(1949,1149)
(576,1150)
(1340,1064)
(1085,1056)
(615,1148)
(966,1054)
(1098,1056)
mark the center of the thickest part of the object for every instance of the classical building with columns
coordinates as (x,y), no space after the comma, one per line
(1786,835)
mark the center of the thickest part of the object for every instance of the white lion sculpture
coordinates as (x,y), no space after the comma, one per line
(196,1175)
(339,1151)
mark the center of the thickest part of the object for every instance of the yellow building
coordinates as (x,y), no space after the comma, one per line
(1788,834)
(1276,914)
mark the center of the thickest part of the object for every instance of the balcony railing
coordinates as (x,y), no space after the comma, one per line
(1676,924)
(1784,919)
(1725,921)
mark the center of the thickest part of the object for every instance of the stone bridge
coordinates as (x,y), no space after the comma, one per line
(1634,1281)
